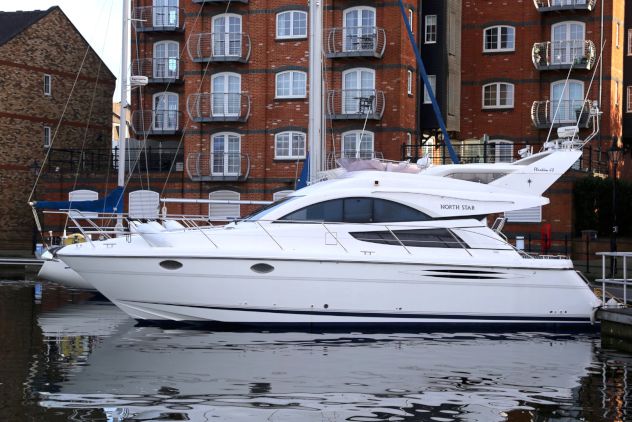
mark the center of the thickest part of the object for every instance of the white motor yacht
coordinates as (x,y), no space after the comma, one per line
(367,247)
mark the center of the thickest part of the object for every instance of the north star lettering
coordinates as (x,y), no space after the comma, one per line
(458,207)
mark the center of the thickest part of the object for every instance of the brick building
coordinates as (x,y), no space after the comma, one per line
(228,85)
(56,93)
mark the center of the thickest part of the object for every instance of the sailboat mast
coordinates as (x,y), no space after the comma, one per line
(315,126)
(123,113)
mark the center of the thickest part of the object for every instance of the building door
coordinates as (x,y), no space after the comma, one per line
(227,36)
(568,42)
(165,111)
(226,151)
(226,94)
(165,13)
(359,29)
(566,101)
(166,55)
(358,93)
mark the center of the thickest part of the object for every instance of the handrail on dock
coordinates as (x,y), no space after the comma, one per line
(613,279)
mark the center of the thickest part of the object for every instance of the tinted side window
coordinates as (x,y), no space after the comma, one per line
(390,212)
(330,211)
(423,238)
(358,210)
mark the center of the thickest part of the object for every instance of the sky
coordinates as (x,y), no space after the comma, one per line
(99,21)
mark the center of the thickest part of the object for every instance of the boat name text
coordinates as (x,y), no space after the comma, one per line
(459,207)
(543,170)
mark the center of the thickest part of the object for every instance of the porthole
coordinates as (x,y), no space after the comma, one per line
(171,265)
(262,268)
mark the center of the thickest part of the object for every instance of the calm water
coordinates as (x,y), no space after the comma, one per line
(74,358)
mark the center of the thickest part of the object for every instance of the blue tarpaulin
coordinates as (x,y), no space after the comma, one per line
(301,182)
(112,203)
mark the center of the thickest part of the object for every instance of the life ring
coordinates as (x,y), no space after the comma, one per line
(74,238)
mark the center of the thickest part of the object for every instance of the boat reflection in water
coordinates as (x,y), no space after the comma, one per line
(153,373)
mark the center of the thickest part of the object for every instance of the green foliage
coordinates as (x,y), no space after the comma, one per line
(593,206)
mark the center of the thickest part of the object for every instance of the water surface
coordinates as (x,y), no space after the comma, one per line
(71,357)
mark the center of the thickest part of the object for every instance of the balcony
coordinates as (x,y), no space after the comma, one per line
(158,19)
(569,113)
(578,54)
(356,42)
(557,5)
(219,47)
(355,104)
(156,122)
(163,70)
(219,107)
(218,167)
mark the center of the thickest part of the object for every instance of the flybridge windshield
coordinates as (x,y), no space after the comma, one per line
(262,212)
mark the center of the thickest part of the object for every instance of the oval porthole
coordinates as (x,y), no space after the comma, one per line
(171,265)
(262,268)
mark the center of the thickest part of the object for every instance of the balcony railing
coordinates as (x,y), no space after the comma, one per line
(362,41)
(568,113)
(156,122)
(225,166)
(219,107)
(158,18)
(578,54)
(219,47)
(162,70)
(355,104)
(556,5)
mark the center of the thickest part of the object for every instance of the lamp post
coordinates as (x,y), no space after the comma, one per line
(614,155)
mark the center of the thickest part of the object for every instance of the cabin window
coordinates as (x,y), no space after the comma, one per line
(419,238)
(357,210)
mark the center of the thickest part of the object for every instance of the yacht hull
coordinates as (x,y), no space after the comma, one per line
(243,291)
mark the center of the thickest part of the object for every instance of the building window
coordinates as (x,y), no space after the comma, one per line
(226,154)
(629,98)
(431,29)
(568,42)
(498,95)
(166,59)
(289,145)
(432,80)
(499,38)
(226,37)
(567,100)
(500,150)
(226,94)
(360,33)
(47,139)
(410,83)
(291,24)
(357,144)
(165,111)
(358,91)
(630,42)
(48,85)
(291,84)
(616,93)
(617,34)
(410,19)
(223,212)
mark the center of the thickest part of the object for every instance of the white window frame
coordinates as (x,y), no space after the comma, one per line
(432,80)
(350,104)
(292,75)
(226,161)
(48,85)
(630,42)
(352,35)
(166,122)
(222,47)
(498,29)
(497,104)
(409,82)
(616,93)
(618,35)
(629,98)
(570,51)
(410,19)
(228,211)
(47,136)
(293,35)
(565,114)
(430,29)
(168,19)
(225,104)
(292,154)
(166,73)
(357,152)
